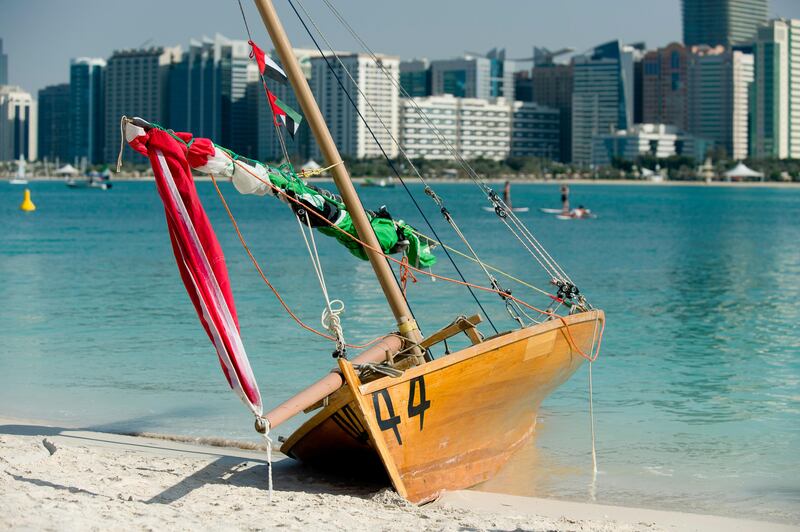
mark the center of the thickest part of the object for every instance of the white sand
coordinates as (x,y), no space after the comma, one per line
(59,479)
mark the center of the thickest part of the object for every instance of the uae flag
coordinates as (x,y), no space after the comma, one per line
(284,114)
(266,65)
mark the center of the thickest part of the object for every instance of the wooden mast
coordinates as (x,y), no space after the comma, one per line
(407,326)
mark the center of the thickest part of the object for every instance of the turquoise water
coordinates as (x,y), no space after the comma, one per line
(697,396)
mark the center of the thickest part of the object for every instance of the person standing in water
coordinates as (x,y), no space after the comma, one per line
(565,199)
(507,194)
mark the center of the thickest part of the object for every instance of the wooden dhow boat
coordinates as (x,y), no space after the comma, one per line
(432,424)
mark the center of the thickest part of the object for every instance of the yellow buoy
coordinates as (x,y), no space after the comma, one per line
(27,204)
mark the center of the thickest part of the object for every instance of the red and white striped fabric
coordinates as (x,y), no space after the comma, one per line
(201,262)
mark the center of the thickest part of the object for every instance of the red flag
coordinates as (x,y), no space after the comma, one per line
(266,65)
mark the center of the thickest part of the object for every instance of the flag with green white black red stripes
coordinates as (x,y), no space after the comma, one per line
(284,114)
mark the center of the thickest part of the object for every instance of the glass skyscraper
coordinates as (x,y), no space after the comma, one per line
(3,65)
(54,122)
(725,22)
(86,109)
(602,98)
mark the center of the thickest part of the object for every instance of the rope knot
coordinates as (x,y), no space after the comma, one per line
(405,273)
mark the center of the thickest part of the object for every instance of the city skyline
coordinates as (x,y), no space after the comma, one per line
(34,63)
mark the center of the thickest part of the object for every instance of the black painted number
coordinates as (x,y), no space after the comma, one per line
(424,404)
(391,421)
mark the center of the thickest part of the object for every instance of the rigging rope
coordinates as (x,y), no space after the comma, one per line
(330,316)
(591,356)
(375,138)
(554,269)
(266,280)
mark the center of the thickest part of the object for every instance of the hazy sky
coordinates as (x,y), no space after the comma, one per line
(40,36)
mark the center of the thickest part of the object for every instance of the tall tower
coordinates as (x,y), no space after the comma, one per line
(776,127)
(3,65)
(725,22)
(602,98)
(86,109)
(136,85)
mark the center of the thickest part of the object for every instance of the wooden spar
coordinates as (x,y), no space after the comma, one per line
(321,389)
(402,313)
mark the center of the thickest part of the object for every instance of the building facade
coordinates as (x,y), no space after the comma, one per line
(552,87)
(136,84)
(349,132)
(209,95)
(18,122)
(473,127)
(776,94)
(602,98)
(665,86)
(54,129)
(722,22)
(535,130)
(3,65)
(474,77)
(87,109)
(415,77)
(719,85)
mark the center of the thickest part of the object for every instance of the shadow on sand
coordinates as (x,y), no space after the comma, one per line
(232,467)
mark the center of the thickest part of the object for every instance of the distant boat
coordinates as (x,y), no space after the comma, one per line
(91,180)
(19,178)
(384,182)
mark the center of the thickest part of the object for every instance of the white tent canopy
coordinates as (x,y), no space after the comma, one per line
(67,169)
(311,165)
(740,171)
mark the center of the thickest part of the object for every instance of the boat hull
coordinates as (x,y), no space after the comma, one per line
(453,422)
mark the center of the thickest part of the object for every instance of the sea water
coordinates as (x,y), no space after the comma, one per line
(696,391)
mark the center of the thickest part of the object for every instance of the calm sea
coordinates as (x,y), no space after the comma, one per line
(697,390)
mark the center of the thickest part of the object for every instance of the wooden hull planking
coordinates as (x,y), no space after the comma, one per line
(453,422)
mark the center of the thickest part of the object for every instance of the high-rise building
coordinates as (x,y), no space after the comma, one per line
(474,127)
(719,85)
(535,130)
(415,77)
(348,131)
(136,84)
(602,98)
(665,86)
(474,77)
(54,129)
(552,87)
(722,22)
(86,109)
(3,65)
(776,117)
(208,93)
(17,124)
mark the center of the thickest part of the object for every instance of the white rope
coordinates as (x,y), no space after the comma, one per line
(446,144)
(269,457)
(333,308)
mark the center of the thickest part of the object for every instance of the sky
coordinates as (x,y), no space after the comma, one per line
(41,36)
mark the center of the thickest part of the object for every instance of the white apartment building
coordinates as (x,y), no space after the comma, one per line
(719,84)
(349,132)
(776,124)
(474,127)
(18,124)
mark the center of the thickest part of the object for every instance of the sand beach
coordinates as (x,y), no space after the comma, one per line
(55,478)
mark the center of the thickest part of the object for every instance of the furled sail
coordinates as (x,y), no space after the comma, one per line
(253,177)
(200,260)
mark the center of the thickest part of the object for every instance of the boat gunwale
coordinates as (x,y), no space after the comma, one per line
(478,349)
